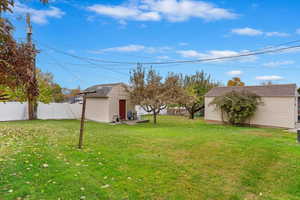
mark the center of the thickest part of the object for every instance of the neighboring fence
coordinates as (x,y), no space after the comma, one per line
(177,111)
(141,111)
(59,111)
(12,111)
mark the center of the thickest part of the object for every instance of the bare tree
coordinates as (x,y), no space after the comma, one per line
(150,91)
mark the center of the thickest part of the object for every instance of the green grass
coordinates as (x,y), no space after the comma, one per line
(176,159)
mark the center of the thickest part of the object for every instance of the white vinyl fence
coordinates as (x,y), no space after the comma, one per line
(141,111)
(12,111)
(59,111)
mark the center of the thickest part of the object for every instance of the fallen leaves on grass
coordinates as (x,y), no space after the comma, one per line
(105,186)
(45,165)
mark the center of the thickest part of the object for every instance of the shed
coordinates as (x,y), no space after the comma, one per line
(111,101)
(279,108)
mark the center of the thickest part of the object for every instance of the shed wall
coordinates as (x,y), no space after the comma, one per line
(276,111)
(97,109)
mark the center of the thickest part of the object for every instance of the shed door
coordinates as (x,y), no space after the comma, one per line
(122,109)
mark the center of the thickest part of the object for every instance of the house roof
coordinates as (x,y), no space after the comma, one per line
(102,90)
(286,90)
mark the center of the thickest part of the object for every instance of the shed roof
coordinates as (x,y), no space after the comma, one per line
(285,90)
(102,90)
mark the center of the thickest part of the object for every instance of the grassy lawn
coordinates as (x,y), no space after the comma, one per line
(176,159)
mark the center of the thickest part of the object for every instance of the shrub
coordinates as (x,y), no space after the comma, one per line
(237,107)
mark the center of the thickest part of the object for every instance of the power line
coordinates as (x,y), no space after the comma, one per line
(250,67)
(282,44)
(85,58)
(105,68)
(109,69)
(65,68)
(249,53)
(225,57)
(92,66)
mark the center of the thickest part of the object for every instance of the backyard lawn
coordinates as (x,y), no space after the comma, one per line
(175,159)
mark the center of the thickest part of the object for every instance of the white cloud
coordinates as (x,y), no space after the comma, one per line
(170,10)
(278,63)
(189,53)
(255,32)
(277,34)
(157,49)
(133,48)
(218,53)
(293,50)
(269,78)
(71,51)
(235,73)
(122,12)
(163,57)
(128,48)
(38,16)
(285,50)
(114,11)
(247,31)
(143,26)
(182,10)
(298,31)
(183,43)
(215,54)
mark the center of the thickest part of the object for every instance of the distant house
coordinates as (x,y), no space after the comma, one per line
(75,99)
(110,102)
(280,108)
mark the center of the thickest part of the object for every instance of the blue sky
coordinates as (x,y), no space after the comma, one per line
(162,30)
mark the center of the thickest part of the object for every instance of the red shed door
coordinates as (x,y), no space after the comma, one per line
(122,109)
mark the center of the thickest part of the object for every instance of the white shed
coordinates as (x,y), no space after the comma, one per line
(110,101)
(280,107)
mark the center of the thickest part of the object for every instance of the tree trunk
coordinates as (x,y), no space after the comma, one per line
(154,117)
(35,107)
(30,108)
(192,115)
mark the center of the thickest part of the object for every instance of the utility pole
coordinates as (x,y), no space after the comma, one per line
(32,102)
(83,117)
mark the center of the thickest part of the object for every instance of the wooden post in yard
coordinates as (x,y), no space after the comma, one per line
(32,99)
(83,117)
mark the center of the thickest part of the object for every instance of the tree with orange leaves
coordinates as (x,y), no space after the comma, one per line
(235,81)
